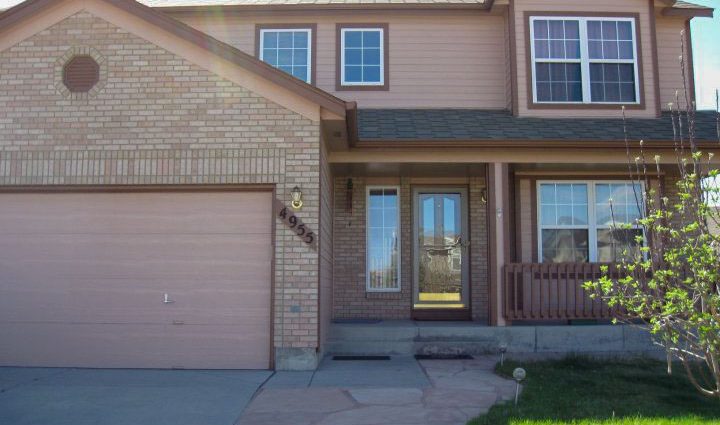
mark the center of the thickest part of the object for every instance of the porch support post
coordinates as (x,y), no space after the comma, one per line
(499,236)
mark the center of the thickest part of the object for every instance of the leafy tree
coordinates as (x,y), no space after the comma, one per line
(671,285)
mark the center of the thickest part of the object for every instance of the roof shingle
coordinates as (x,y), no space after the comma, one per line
(477,124)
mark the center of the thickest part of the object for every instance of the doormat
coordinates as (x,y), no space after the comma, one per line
(443,357)
(361,358)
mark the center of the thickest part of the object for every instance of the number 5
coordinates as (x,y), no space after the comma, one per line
(309,238)
(301,230)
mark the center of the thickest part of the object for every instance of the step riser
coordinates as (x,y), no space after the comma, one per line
(408,340)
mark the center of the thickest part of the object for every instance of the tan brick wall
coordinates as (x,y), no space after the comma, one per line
(160,119)
(350,299)
(326,247)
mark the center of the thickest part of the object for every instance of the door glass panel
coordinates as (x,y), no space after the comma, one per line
(440,252)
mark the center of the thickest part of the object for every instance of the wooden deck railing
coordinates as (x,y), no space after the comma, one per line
(551,292)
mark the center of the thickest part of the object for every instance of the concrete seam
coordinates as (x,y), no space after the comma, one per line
(255,394)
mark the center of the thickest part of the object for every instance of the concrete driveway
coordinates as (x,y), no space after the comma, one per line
(41,396)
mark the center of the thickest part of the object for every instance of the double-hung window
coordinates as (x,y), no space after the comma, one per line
(584,221)
(383,239)
(584,60)
(289,50)
(362,56)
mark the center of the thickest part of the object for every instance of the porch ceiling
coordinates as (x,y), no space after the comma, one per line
(397,169)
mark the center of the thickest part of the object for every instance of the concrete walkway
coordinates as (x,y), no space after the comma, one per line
(401,391)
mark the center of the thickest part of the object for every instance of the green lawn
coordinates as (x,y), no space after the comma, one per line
(588,392)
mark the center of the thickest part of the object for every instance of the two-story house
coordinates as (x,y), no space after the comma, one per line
(222,184)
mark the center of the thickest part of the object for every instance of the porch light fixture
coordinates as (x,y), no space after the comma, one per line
(503,349)
(518,375)
(296,196)
(483,196)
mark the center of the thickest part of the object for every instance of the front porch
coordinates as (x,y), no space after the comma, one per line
(465,244)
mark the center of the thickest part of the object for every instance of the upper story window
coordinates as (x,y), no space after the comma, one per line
(580,221)
(362,57)
(289,50)
(584,60)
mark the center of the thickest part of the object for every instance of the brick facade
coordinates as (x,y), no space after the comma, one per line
(159,119)
(351,300)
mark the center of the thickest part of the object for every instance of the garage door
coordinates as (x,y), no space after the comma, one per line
(84,278)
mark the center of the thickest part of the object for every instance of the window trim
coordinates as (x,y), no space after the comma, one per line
(640,104)
(340,84)
(591,227)
(367,240)
(312,42)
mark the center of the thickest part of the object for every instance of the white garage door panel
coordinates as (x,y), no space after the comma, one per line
(131,346)
(56,274)
(137,213)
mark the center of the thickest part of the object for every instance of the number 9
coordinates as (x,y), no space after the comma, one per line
(293,221)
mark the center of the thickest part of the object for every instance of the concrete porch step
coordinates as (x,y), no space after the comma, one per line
(410,337)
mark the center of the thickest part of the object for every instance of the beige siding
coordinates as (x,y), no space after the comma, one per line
(640,7)
(669,51)
(436,59)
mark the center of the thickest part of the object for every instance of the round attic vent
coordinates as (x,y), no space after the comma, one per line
(81,73)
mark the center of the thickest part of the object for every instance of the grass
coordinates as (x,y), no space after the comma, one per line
(580,391)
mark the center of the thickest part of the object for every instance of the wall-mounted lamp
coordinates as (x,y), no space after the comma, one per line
(483,196)
(296,196)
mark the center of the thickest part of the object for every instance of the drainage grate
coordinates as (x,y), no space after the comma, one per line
(361,357)
(443,357)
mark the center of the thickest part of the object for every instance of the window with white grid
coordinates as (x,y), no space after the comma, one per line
(584,60)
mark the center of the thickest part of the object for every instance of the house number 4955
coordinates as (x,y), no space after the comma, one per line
(294,223)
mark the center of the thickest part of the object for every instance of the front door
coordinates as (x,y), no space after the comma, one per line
(440,257)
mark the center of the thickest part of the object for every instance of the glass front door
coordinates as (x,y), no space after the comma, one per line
(440,249)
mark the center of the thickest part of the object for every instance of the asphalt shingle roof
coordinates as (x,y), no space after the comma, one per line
(680,4)
(183,3)
(476,124)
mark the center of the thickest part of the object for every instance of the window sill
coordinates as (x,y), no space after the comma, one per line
(587,106)
(341,87)
(394,295)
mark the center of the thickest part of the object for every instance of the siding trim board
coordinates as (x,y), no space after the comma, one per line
(689,59)
(588,106)
(513,58)
(655,58)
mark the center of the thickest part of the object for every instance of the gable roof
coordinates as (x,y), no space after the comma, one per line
(303,4)
(225,51)
(406,126)
(686,8)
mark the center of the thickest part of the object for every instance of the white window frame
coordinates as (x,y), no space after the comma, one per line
(592,227)
(584,60)
(367,239)
(261,47)
(381,30)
